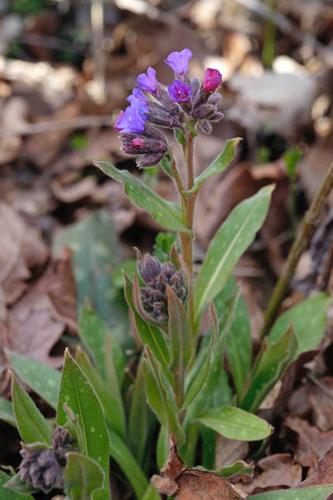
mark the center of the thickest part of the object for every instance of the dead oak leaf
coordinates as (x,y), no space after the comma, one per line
(278,470)
(312,444)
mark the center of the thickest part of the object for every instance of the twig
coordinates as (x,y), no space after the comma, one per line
(300,244)
(75,123)
(97,28)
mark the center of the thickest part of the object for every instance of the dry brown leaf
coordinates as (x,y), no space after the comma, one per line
(21,249)
(37,321)
(228,451)
(278,471)
(191,484)
(322,472)
(313,444)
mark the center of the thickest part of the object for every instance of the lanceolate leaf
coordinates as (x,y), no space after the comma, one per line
(6,412)
(308,320)
(124,458)
(77,394)
(43,379)
(82,477)
(309,493)
(31,424)
(234,423)
(268,368)
(227,246)
(107,393)
(164,212)
(221,162)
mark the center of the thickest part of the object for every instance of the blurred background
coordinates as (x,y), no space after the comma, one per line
(66,68)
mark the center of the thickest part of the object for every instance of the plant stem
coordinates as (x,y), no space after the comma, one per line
(300,244)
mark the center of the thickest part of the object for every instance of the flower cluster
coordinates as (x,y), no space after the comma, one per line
(158,276)
(42,468)
(153,105)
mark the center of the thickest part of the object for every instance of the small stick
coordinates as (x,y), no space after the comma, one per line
(300,244)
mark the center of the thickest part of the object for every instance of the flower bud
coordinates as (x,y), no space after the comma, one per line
(158,276)
(62,443)
(212,80)
(40,469)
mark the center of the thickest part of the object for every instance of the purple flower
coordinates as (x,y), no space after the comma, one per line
(178,61)
(147,81)
(137,98)
(132,120)
(212,80)
(179,91)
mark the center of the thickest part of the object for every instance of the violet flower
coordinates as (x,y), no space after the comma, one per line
(148,81)
(179,61)
(132,120)
(179,91)
(212,80)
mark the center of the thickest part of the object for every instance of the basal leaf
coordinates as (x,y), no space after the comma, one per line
(308,318)
(6,412)
(128,464)
(238,341)
(82,477)
(233,423)
(221,162)
(31,424)
(164,212)
(268,368)
(77,394)
(309,493)
(227,246)
(108,395)
(96,255)
(43,379)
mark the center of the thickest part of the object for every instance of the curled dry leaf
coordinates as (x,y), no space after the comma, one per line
(36,322)
(21,249)
(278,470)
(322,473)
(191,484)
(312,444)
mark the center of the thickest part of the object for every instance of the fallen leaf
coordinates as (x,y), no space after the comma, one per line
(279,470)
(322,472)
(312,444)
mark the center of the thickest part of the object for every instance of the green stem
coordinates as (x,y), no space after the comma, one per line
(300,244)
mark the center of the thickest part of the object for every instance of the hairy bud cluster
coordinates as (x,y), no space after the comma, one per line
(42,468)
(158,276)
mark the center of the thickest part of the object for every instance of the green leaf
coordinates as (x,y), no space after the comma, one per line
(96,254)
(82,477)
(308,320)
(77,394)
(309,493)
(234,423)
(6,412)
(164,212)
(151,493)
(126,461)
(162,449)
(268,368)
(221,162)
(139,415)
(41,378)
(31,424)
(107,392)
(161,397)
(227,246)
(101,345)
(238,467)
(7,494)
(238,340)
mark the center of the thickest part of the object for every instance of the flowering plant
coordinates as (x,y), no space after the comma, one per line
(183,395)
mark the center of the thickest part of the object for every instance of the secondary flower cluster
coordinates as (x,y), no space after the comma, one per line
(42,468)
(153,105)
(158,276)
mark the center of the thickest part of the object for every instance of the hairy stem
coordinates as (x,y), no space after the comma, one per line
(300,244)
